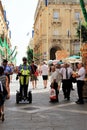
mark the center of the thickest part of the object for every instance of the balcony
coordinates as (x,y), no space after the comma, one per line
(56,21)
(75,22)
(56,38)
(74,37)
(62,37)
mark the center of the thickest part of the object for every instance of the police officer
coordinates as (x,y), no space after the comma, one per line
(24,73)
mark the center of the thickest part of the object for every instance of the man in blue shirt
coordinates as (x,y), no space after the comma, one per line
(7,69)
(7,72)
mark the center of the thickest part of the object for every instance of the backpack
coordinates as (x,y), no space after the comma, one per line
(1,87)
(3,94)
(3,91)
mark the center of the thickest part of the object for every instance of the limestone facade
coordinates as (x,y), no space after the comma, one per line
(4,32)
(55,28)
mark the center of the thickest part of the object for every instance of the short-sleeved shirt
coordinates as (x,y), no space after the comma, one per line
(33,68)
(81,72)
(63,73)
(44,69)
(7,69)
(25,67)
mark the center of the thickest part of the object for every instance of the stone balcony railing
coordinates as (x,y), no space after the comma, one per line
(56,21)
(43,38)
(62,37)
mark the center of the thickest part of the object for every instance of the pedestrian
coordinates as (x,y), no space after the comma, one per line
(34,74)
(44,70)
(39,69)
(80,75)
(50,66)
(7,71)
(54,83)
(12,68)
(66,72)
(3,91)
(59,76)
(24,71)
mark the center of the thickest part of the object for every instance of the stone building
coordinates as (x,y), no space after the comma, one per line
(55,28)
(4,34)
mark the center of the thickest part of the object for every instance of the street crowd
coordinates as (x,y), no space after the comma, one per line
(59,74)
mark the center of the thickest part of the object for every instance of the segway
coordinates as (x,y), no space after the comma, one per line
(20,98)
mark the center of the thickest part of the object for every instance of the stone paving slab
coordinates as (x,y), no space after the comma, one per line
(42,115)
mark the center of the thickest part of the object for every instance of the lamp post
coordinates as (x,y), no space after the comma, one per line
(80,36)
(80,33)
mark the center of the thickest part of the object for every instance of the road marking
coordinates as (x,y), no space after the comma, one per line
(73,111)
(59,107)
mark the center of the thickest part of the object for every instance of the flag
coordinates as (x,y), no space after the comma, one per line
(5,43)
(28,34)
(5,15)
(14,56)
(68,33)
(7,24)
(13,51)
(1,43)
(46,3)
(10,34)
(32,33)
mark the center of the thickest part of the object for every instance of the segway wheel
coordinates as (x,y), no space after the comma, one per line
(17,98)
(30,97)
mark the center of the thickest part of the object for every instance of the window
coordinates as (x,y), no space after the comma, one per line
(55,15)
(77,15)
(76,48)
(55,32)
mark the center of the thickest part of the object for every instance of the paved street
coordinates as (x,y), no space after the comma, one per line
(42,115)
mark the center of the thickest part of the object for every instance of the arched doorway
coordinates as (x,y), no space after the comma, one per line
(53,51)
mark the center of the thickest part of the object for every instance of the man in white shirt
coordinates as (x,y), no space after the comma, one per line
(44,70)
(80,82)
(66,72)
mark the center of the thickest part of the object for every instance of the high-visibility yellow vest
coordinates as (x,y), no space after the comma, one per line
(24,73)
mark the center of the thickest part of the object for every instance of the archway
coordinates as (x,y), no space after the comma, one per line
(53,51)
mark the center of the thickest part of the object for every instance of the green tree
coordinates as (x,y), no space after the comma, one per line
(83,33)
(29,55)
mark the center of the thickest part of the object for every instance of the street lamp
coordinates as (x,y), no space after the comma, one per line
(80,36)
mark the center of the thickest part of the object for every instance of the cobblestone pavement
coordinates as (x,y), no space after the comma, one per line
(42,115)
